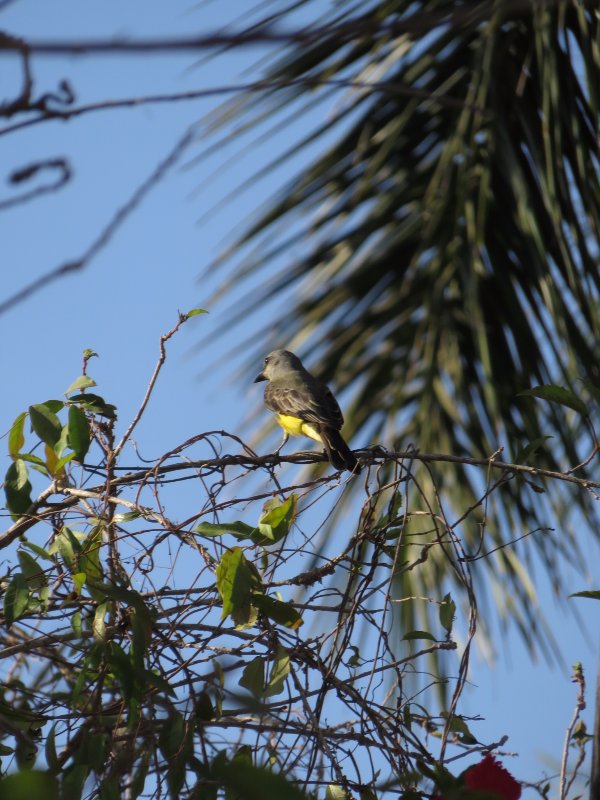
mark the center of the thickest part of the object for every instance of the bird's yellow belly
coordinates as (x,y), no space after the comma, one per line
(297,427)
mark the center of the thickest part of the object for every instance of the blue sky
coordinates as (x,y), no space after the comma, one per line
(130,293)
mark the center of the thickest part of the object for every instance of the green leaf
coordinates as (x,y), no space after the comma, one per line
(171,735)
(78,581)
(153,679)
(121,666)
(239,529)
(334,792)
(50,750)
(62,462)
(279,673)
(593,595)
(17,488)
(16,598)
(82,382)
(73,781)
(139,779)
(127,516)
(237,581)
(194,312)
(278,611)
(21,474)
(76,622)
(204,708)
(530,449)
(89,559)
(20,718)
(25,753)
(35,460)
(79,432)
(593,390)
(110,789)
(243,755)
(274,524)
(88,669)
(253,677)
(254,783)
(95,405)
(369,794)
(99,622)
(89,353)
(447,613)
(34,574)
(276,520)
(39,551)
(458,725)
(44,596)
(419,635)
(51,460)
(176,742)
(69,548)
(141,628)
(557,394)
(16,438)
(29,785)
(93,750)
(63,440)
(54,405)
(45,424)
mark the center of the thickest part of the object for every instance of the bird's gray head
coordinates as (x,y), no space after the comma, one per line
(278,363)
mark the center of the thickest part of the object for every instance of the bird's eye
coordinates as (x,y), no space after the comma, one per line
(267,360)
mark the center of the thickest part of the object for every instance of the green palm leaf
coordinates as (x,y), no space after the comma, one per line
(451,235)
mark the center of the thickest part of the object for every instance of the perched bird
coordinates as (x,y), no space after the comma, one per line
(306,406)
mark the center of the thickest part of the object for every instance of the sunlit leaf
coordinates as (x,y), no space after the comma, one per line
(82,382)
(16,439)
(194,312)
(99,622)
(69,548)
(237,582)
(334,792)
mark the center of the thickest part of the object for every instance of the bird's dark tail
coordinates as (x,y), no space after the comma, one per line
(337,450)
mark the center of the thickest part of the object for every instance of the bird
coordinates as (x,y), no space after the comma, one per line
(305,405)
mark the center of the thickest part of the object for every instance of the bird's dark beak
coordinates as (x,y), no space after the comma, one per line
(260,377)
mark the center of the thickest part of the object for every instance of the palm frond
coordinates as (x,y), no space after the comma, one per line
(452,237)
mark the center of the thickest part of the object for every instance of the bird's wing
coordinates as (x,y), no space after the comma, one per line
(310,402)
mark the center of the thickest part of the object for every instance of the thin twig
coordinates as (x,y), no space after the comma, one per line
(579,679)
